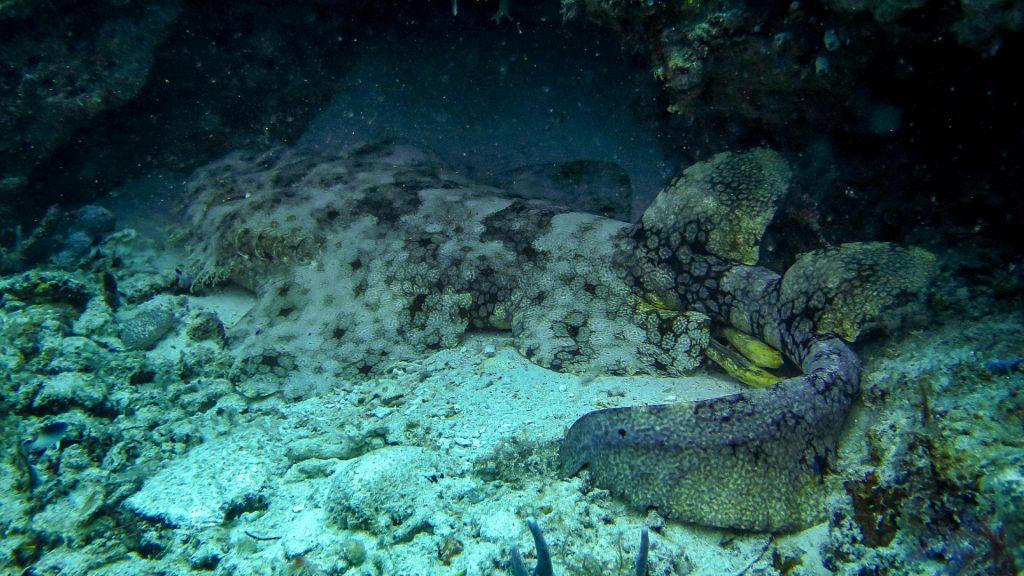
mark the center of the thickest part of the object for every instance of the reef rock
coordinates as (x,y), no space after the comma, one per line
(217,480)
(62,67)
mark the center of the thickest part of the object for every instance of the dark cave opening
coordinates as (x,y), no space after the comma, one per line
(486,95)
(920,141)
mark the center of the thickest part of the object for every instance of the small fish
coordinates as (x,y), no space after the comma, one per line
(24,465)
(183,280)
(455,7)
(1005,367)
(49,436)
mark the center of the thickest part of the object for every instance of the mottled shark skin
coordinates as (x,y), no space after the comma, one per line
(379,254)
(754,460)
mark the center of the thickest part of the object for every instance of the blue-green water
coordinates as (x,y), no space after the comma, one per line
(592,287)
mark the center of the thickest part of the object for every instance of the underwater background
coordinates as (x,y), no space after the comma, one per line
(486,287)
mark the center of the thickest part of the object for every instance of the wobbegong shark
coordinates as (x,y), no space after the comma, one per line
(380,253)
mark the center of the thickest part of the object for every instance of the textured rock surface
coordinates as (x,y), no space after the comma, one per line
(386,489)
(66,238)
(979,24)
(69,389)
(700,50)
(936,450)
(61,68)
(221,77)
(849,86)
(217,480)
